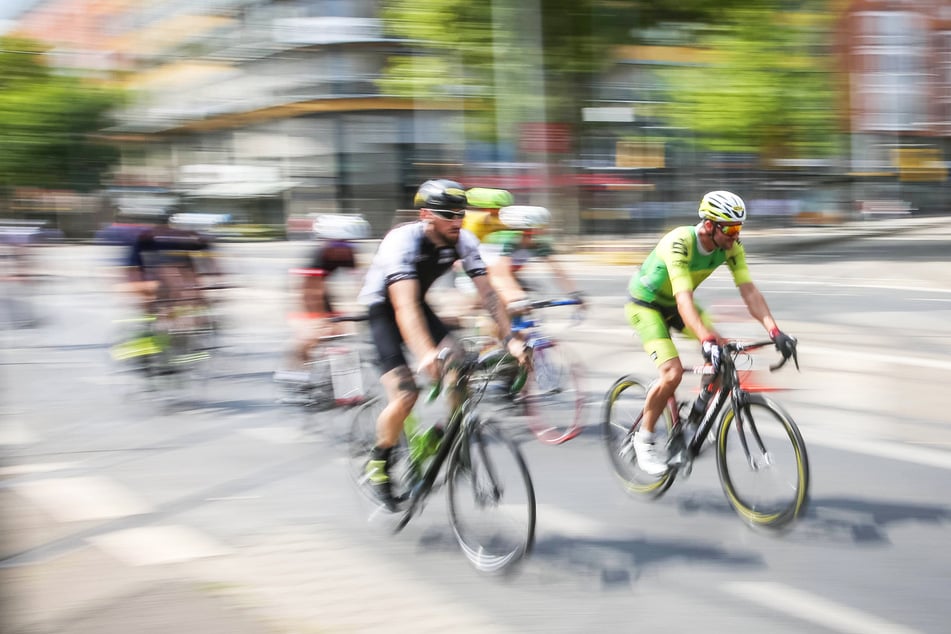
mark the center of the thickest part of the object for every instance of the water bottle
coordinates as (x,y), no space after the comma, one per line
(423,444)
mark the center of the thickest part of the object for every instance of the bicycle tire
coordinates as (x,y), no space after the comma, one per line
(486,466)
(621,414)
(361,440)
(553,394)
(765,422)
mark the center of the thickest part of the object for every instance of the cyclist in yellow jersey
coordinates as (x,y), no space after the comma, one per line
(482,215)
(661,298)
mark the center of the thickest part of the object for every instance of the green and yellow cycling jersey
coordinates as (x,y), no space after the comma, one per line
(679,264)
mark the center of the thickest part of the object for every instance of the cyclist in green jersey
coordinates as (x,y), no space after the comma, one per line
(661,298)
(524,239)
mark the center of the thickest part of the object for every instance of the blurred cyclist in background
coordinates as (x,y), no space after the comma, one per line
(165,265)
(482,214)
(335,250)
(524,239)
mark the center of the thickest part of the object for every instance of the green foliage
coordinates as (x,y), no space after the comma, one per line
(517,60)
(47,121)
(767,88)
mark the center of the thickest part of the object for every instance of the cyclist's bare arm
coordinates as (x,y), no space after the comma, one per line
(500,272)
(756,304)
(313,289)
(690,315)
(493,303)
(563,279)
(404,295)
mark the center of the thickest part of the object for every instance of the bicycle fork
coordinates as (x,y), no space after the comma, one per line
(744,422)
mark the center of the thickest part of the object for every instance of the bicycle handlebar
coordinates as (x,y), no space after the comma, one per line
(736,347)
(546,303)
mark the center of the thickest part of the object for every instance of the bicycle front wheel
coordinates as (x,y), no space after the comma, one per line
(762,462)
(621,415)
(553,395)
(491,498)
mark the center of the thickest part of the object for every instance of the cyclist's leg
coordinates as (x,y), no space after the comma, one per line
(655,337)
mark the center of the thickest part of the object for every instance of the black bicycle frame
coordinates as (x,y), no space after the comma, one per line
(453,431)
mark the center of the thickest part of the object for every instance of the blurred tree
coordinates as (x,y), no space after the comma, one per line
(48,122)
(769,89)
(518,60)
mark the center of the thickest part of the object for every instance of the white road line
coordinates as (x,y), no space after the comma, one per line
(152,545)
(891,287)
(15,432)
(892,450)
(815,609)
(84,498)
(900,359)
(552,519)
(40,467)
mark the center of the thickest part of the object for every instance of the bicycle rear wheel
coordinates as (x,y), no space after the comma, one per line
(359,446)
(762,462)
(491,498)
(621,415)
(553,396)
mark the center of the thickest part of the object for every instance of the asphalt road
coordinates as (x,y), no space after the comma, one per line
(226,510)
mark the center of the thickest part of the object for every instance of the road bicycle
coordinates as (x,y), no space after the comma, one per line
(338,375)
(761,456)
(490,494)
(170,348)
(548,388)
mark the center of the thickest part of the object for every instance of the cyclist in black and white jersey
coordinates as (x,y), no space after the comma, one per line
(409,259)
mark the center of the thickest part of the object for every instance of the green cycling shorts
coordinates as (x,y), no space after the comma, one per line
(653,327)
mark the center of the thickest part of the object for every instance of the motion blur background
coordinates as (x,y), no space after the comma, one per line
(615,115)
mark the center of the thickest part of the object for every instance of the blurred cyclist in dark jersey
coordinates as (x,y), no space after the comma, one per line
(336,250)
(165,263)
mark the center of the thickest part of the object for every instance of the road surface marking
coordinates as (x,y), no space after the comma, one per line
(884,449)
(153,545)
(15,432)
(84,498)
(902,359)
(815,609)
(552,519)
(39,467)
(320,575)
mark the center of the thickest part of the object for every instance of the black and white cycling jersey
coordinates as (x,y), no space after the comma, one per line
(405,253)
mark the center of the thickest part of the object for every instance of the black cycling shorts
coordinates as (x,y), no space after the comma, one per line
(388,339)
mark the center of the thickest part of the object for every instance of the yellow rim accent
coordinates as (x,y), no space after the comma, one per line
(633,486)
(748,513)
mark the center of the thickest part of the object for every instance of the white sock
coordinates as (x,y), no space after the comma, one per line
(646,436)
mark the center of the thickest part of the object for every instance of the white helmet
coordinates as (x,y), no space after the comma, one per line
(524,217)
(341,227)
(722,206)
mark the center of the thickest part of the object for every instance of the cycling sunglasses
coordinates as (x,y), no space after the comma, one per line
(730,230)
(450,214)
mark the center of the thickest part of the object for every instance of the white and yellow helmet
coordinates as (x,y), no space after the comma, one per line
(722,206)
(524,217)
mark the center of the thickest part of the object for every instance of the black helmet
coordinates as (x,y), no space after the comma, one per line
(440,194)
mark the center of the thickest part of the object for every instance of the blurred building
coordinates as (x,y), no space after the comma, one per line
(261,109)
(896,63)
(268,110)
